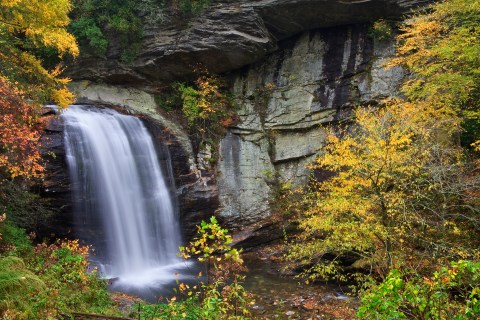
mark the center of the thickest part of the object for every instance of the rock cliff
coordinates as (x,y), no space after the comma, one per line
(230,34)
(295,66)
(285,102)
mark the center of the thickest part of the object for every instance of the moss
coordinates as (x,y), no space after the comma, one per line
(14,238)
(17,287)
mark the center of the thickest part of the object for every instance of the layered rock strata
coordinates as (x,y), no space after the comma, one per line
(286,102)
(229,35)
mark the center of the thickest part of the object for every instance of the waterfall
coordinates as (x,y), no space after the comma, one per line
(118,181)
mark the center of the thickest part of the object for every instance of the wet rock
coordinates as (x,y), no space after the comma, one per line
(196,195)
(55,185)
(198,201)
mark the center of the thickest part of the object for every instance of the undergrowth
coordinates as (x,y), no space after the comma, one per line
(47,281)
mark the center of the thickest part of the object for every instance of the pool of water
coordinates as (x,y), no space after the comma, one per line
(286,297)
(276,296)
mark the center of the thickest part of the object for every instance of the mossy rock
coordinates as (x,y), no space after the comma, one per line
(17,284)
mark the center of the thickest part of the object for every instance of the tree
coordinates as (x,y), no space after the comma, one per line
(27,26)
(401,192)
(441,47)
(392,197)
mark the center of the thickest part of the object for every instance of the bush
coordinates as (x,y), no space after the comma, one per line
(23,208)
(451,292)
(63,266)
(381,30)
(207,106)
(14,239)
(49,282)
(19,288)
(219,293)
(222,295)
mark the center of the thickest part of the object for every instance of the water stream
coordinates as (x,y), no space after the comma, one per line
(118,183)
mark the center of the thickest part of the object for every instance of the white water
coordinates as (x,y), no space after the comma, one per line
(116,175)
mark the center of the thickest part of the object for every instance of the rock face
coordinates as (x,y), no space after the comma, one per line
(295,66)
(285,103)
(56,184)
(197,193)
(229,35)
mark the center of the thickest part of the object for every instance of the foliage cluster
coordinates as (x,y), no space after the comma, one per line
(399,192)
(441,48)
(207,106)
(13,239)
(47,281)
(222,294)
(23,207)
(27,26)
(219,294)
(451,293)
(188,309)
(381,30)
(261,96)
(95,20)
(19,154)
(205,103)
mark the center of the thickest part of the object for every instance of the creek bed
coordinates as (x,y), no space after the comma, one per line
(286,297)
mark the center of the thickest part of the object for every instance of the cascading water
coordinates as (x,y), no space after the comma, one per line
(117,179)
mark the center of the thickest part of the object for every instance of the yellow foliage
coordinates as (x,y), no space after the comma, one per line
(441,49)
(391,180)
(27,25)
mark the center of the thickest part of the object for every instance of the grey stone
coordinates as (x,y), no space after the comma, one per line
(227,36)
(286,102)
(244,192)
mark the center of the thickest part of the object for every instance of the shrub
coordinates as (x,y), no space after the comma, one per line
(14,239)
(381,30)
(50,282)
(451,292)
(222,294)
(64,268)
(219,293)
